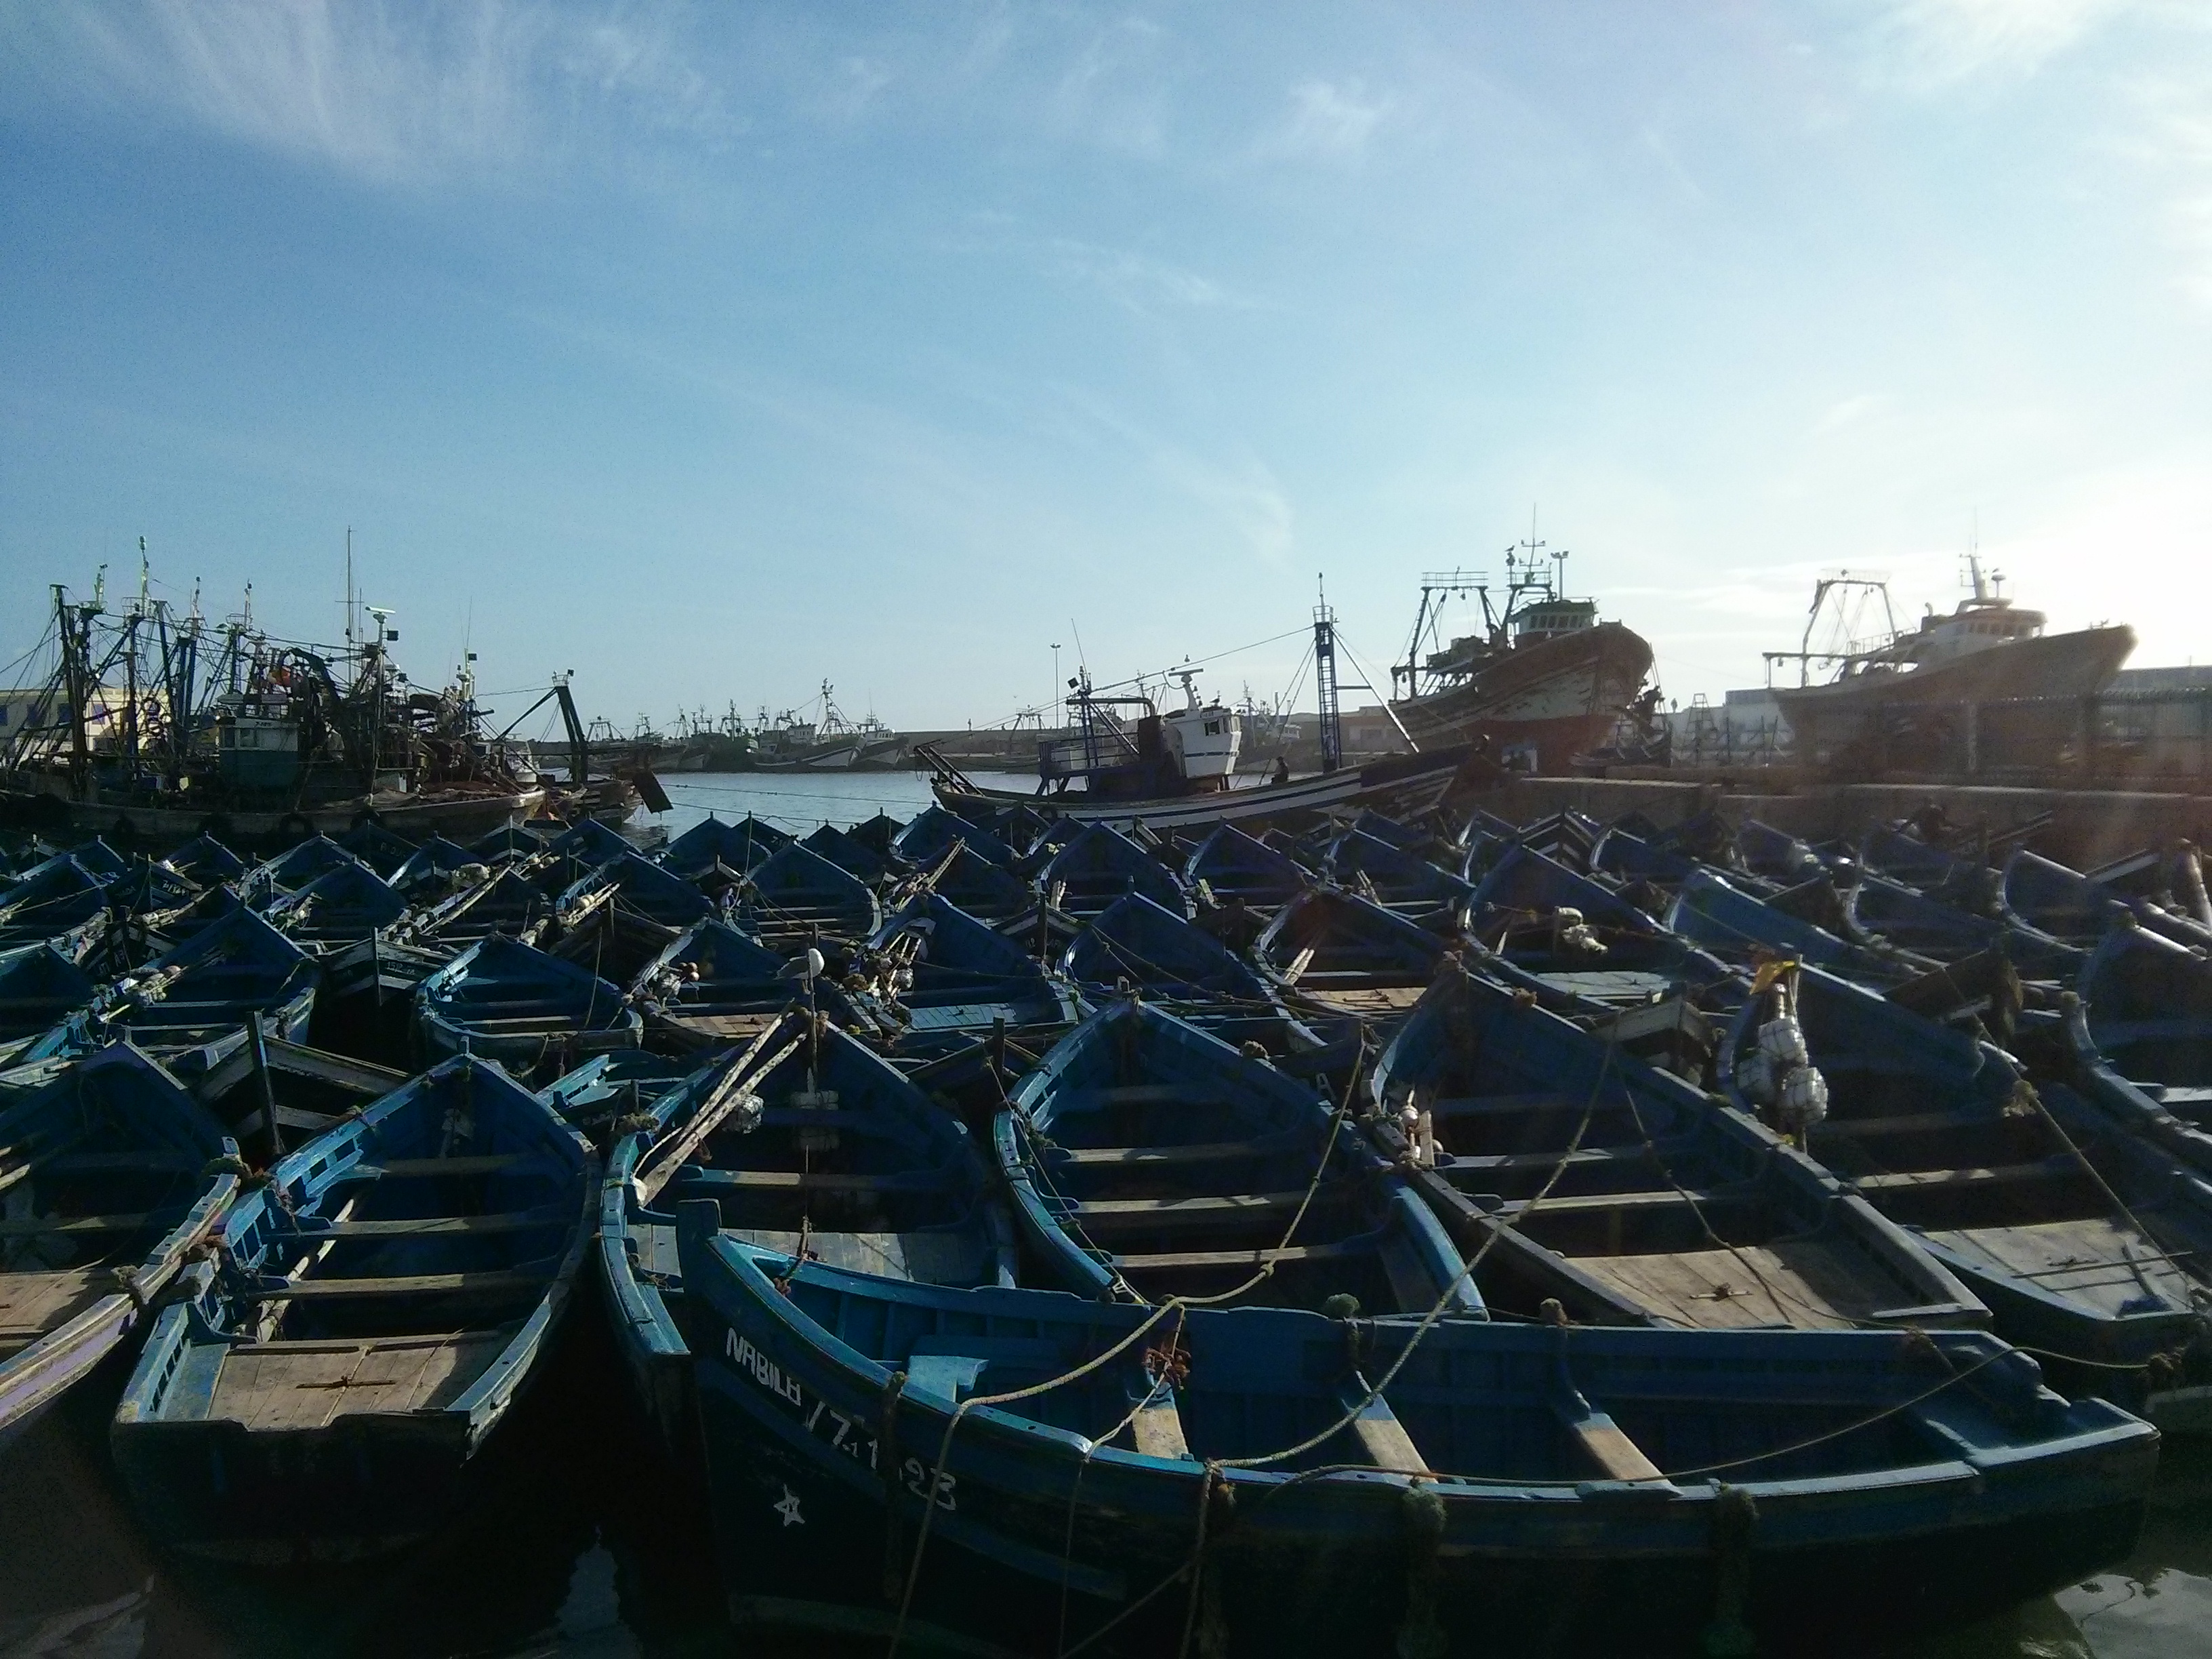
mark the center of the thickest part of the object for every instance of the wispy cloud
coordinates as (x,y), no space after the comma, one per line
(1140,283)
(468,89)
(1330,120)
(1927,45)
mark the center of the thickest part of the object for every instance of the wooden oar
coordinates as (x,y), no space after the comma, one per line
(727,1096)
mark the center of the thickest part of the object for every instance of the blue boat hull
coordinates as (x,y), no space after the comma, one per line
(815,1492)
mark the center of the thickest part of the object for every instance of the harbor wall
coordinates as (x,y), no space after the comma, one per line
(2088,826)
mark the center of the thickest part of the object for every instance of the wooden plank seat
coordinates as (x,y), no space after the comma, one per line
(1170,1261)
(816,1181)
(2057,1167)
(1460,1106)
(1906,1123)
(512,1221)
(1214,1151)
(40,1226)
(150,1159)
(1382,1439)
(468,1164)
(1588,1202)
(1143,1094)
(32,1303)
(308,1384)
(1604,1443)
(1581,1158)
(1108,1214)
(489,1282)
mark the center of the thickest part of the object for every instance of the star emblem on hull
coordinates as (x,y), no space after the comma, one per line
(787,1507)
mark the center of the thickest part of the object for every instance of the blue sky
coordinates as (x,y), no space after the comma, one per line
(714,351)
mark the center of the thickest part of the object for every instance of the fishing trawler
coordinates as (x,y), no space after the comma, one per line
(1541,682)
(158,727)
(1130,762)
(1986,650)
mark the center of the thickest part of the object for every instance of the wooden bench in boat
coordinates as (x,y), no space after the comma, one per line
(1382,1437)
(816,1181)
(1583,1203)
(2057,1167)
(1457,1106)
(1581,1158)
(33,1303)
(306,1384)
(1604,1444)
(40,1226)
(1906,1123)
(488,1282)
(399,1169)
(512,1221)
(1106,1214)
(1143,1094)
(1170,1261)
(1215,1151)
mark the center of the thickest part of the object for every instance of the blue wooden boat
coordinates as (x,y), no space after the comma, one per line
(923,843)
(168,929)
(796,897)
(638,885)
(112,1174)
(1135,946)
(206,860)
(377,846)
(1889,851)
(1148,1160)
(849,853)
(717,986)
(1399,880)
(102,860)
(1624,857)
(1347,955)
(1512,1488)
(375,1312)
(1583,949)
(2079,910)
(59,901)
(712,846)
(2088,1243)
(808,1144)
(1776,855)
(981,888)
(590,841)
(40,989)
(1929,927)
(940,978)
(877,834)
(1097,867)
(291,871)
(1743,928)
(339,909)
(430,870)
(232,970)
(1231,867)
(509,1001)
(148,889)
(2141,1029)
(505,846)
(1581,1174)
(594,1096)
(505,901)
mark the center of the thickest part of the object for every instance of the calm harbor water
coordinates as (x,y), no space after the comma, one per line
(581,1543)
